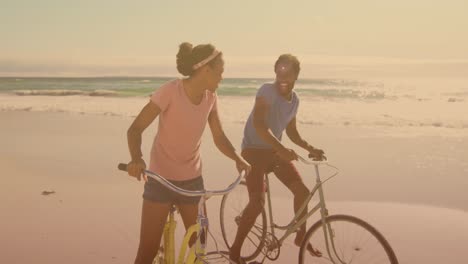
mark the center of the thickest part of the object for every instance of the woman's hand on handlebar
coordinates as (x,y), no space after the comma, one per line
(136,168)
(243,165)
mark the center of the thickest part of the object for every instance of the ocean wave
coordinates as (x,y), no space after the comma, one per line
(65,92)
(435,124)
(142,81)
(344,93)
(455,100)
(340,82)
(103,93)
(222,91)
(230,113)
(321,89)
(133,86)
(49,92)
(460,94)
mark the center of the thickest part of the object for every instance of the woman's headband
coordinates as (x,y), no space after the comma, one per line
(205,61)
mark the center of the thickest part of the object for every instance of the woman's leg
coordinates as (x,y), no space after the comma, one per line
(188,206)
(153,219)
(189,212)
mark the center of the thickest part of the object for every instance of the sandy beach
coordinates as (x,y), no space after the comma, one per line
(380,86)
(411,188)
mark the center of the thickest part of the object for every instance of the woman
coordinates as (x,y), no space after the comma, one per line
(184,106)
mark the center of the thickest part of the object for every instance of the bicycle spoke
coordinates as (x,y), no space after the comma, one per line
(355,243)
(232,207)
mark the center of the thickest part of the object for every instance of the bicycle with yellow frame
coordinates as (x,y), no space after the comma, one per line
(197,253)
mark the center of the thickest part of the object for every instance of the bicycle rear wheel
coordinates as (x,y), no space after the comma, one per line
(232,207)
(355,242)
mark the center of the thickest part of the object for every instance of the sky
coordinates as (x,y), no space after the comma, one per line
(333,37)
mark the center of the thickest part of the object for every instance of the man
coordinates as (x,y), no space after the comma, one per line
(275,110)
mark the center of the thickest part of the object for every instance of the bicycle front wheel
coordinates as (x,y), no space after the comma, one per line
(354,240)
(232,207)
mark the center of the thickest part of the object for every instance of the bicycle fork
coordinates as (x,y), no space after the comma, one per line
(328,232)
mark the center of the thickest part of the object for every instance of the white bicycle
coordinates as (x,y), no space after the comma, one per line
(342,239)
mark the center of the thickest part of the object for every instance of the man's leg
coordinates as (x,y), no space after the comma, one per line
(259,162)
(249,216)
(289,176)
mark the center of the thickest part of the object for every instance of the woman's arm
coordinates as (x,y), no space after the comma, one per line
(134,134)
(223,143)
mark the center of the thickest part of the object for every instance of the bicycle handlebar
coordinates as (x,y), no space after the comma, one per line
(199,193)
(312,162)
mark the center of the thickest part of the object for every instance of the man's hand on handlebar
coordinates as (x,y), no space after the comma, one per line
(316,154)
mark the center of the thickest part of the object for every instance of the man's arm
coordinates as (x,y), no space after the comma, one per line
(264,132)
(293,134)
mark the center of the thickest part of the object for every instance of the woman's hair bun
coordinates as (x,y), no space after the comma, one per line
(185,59)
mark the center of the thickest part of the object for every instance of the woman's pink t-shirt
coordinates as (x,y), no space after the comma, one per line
(175,154)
